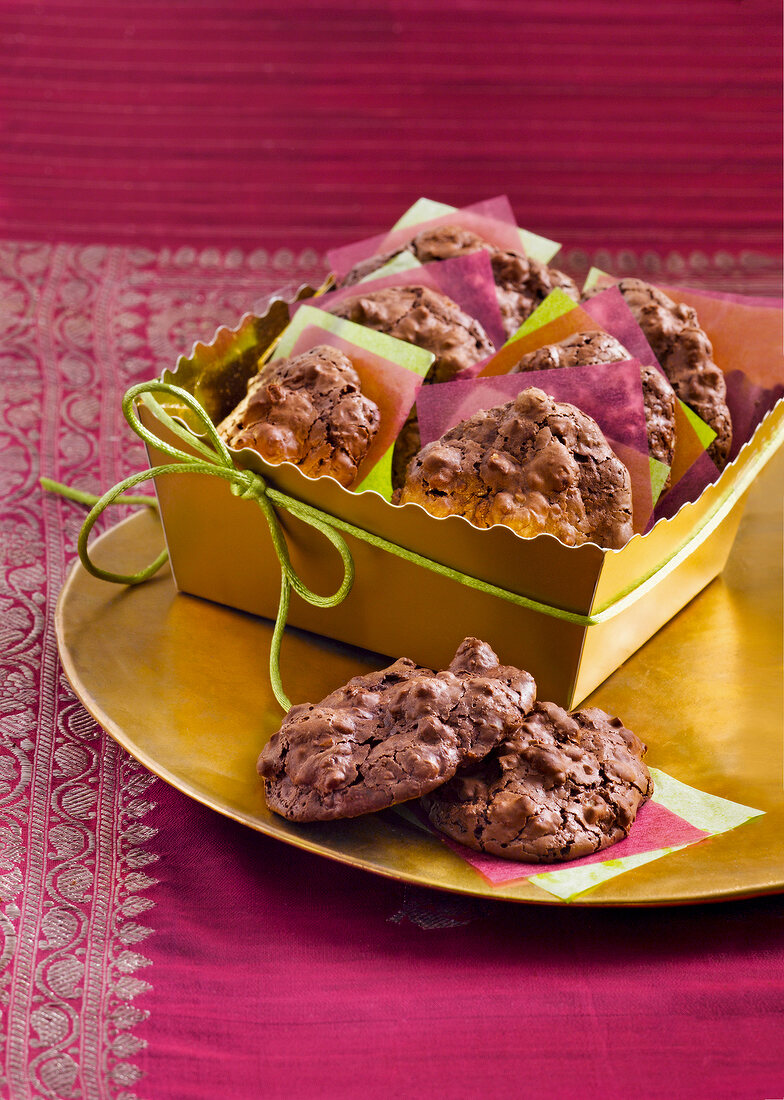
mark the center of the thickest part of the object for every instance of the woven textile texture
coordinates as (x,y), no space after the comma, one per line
(308,124)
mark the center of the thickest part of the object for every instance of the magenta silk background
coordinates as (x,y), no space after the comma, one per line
(165,166)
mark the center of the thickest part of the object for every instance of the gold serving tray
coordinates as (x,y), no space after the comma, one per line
(182,684)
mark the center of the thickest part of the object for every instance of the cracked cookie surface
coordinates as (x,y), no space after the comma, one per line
(308,410)
(521,283)
(686,357)
(535,465)
(392,735)
(584,348)
(563,786)
(423,317)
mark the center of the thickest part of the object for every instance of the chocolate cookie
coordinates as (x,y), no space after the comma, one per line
(521,283)
(686,356)
(584,348)
(423,317)
(392,735)
(659,400)
(535,465)
(308,410)
(431,321)
(561,787)
(578,350)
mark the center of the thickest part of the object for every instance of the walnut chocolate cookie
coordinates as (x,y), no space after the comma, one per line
(521,283)
(423,317)
(535,465)
(686,356)
(431,321)
(562,786)
(308,410)
(392,735)
(578,350)
(584,348)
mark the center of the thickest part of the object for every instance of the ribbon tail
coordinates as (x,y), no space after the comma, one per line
(81,496)
(277,640)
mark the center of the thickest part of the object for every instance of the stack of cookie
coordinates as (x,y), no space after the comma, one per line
(495,770)
(533,464)
(688,373)
(522,283)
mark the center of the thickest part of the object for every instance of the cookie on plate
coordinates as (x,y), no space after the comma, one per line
(535,465)
(686,356)
(389,736)
(308,410)
(563,786)
(431,321)
(521,283)
(584,348)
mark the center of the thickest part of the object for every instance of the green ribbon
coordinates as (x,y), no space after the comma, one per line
(216,461)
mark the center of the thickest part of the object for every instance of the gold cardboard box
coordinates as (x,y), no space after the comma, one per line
(615,600)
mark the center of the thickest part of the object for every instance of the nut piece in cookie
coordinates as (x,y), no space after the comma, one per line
(584,348)
(308,410)
(563,786)
(521,283)
(431,321)
(392,735)
(686,356)
(535,465)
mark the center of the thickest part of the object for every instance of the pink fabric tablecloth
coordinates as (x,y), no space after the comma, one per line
(178,162)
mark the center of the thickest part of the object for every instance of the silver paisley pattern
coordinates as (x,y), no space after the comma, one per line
(78,324)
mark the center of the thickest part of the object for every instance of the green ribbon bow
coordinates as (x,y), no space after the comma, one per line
(216,462)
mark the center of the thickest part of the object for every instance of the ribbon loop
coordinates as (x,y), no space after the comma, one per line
(216,461)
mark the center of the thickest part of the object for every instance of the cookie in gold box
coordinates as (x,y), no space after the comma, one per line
(569,614)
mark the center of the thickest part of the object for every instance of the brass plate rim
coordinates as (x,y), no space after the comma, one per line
(203,797)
